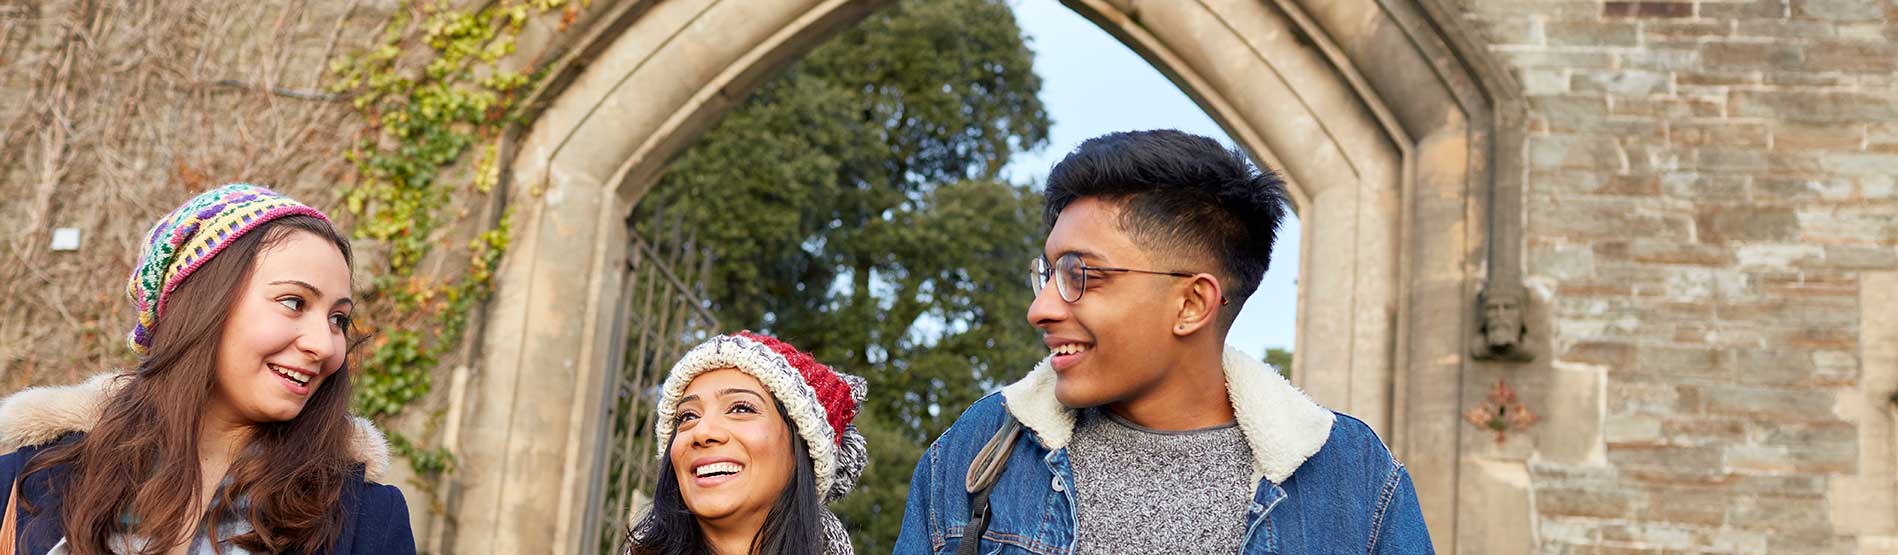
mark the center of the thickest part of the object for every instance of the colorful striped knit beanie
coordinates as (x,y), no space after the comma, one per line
(188,237)
(820,401)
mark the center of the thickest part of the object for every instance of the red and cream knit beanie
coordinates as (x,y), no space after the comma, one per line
(820,401)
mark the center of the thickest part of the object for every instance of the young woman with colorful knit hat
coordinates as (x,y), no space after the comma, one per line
(232,434)
(755,439)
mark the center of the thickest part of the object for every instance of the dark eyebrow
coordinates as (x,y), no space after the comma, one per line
(723,393)
(1084,253)
(314,292)
(736,390)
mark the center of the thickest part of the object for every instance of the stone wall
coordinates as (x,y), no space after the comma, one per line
(1710,223)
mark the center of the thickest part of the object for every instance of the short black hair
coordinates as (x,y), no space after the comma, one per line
(1179,193)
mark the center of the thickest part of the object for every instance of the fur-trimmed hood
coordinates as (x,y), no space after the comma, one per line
(39,415)
(1282,425)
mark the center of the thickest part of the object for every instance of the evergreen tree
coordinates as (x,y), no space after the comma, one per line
(854,206)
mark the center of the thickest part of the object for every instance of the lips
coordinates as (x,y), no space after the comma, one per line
(295,380)
(1065,353)
(712,471)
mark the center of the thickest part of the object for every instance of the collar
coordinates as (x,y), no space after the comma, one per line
(1282,425)
(38,415)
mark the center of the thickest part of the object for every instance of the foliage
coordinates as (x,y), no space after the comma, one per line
(424,114)
(855,208)
(1280,359)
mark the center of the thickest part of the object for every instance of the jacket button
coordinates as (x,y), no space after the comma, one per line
(1057,484)
(1256,508)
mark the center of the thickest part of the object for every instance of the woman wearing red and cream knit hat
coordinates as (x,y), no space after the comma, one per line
(756,438)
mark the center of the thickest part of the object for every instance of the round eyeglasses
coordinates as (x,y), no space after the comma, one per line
(1070,276)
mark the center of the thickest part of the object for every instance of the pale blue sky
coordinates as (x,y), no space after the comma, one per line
(1092,84)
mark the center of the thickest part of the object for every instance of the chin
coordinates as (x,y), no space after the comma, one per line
(1077,396)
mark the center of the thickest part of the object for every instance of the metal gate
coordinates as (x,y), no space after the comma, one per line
(662,314)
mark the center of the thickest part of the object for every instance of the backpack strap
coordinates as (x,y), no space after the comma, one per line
(983,472)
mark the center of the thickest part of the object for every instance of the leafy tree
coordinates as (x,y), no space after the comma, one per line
(854,207)
(1280,359)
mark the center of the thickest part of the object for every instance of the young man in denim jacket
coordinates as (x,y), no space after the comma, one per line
(1142,433)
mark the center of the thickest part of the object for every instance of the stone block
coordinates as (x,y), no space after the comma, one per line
(1591,502)
(1861,257)
(1882,136)
(1685,31)
(1788,189)
(1654,535)
(1602,353)
(1810,542)
(1793,405)
(1604,218)
(1840,10)
(1661,58)
(1652,398)
(1634,429)
(1813,106)
(1668,107)
(1647,9)
(1861,163)
(1835,367)
(1847,224)
(1538,81)
(1721,133)
(1575,152)
(1778,255)
(1693,431)
(1705,188)
(1747,223)
(1832,136)
(1779,513)
(1752,55)
(1724,159)
(1512,30)
(1781,367)
(1853,56)
(1528,58)
(1754,9)
(1776,28)
(1631,82)
(1678,362)
(1593,34)
(1690,506)
(1655,251)
(1779,485)
(1824,285)
(1698,79)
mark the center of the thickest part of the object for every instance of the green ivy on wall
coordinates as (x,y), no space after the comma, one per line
(429,92)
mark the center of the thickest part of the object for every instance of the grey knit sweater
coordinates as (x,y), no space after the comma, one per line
(1141,491)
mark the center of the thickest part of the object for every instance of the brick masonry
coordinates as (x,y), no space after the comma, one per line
(1710,184)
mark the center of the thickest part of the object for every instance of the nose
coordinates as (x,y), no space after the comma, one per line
(708,431)
(316,340)
(1048,307)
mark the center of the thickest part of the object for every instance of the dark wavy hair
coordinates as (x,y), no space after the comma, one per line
(1180,193)
(793,527)
(142,456)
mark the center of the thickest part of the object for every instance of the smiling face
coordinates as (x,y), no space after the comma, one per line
(732,452)
(1115,343)
(285,331)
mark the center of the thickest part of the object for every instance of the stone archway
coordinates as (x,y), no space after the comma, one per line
(1382,129)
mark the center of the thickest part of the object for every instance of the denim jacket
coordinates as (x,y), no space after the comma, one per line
(1327,484)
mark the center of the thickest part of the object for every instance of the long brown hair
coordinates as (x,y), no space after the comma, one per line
(142,455)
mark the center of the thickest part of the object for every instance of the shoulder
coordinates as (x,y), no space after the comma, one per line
(379,520)
(1353,454)
(376,501)
(978,422)
(11,464)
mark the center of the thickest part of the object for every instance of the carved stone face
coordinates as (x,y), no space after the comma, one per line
(1502,316)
